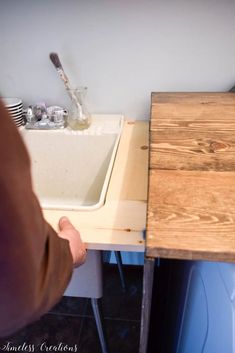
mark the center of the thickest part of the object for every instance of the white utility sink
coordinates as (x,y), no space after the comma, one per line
(71,169)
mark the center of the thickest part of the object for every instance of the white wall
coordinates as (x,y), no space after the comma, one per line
(122,50)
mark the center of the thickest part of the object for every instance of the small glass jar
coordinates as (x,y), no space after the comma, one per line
(79,117)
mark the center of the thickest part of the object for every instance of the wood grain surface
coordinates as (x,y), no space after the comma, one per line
(191,209)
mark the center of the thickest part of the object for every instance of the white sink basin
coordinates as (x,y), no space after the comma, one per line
(71,169)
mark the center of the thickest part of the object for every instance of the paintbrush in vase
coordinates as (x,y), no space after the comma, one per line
(56,62)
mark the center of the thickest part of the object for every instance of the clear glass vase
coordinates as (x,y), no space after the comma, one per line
(79,117)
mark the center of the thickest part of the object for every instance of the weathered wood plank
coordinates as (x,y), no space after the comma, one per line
(191,209)
(193,151)
(190,98)
(188,211)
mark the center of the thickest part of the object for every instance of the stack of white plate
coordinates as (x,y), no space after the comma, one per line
(15,108)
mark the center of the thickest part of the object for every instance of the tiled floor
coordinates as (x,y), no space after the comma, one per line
(72,323)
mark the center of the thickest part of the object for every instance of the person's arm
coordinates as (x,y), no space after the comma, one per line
(35,263)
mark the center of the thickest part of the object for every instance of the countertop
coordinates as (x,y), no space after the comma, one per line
(191,208)
(120,223)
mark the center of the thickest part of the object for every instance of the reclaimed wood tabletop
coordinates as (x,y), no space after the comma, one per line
(191,197)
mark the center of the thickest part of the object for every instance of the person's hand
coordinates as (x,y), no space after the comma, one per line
(77,247)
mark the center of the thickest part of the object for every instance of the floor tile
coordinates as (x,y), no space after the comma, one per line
(49,330)
(74,306)
(122,336)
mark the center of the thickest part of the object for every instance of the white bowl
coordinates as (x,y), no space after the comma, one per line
(15,109)
(16,116)
(18,120)
(11,102)
(17,112)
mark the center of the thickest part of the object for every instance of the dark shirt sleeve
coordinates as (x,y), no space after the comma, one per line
(35,264)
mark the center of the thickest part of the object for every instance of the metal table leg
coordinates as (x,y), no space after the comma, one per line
(146,303)
(99,324)
(120,269)
(118,256)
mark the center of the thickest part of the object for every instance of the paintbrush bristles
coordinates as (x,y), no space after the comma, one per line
(55,60)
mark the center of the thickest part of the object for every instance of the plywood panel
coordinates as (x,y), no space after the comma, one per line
(121,222)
